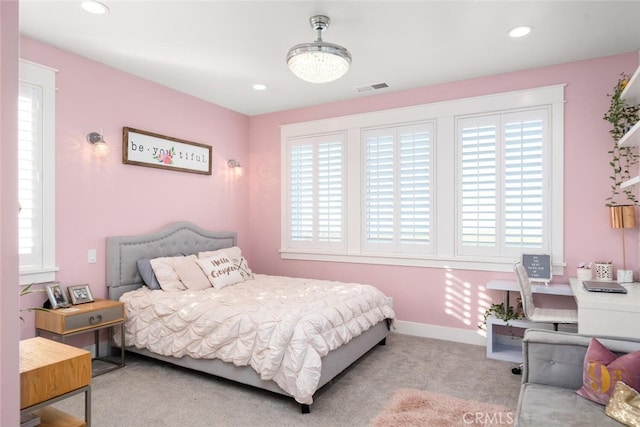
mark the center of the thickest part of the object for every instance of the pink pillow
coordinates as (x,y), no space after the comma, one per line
(190,273)
(603,368)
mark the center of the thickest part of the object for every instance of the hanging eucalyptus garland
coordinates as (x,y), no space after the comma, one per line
(622,116)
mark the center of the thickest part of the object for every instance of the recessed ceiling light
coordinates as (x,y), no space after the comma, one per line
(93,6)
(259,86)
(519,31)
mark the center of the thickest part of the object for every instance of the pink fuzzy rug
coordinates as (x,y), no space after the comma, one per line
(418,408)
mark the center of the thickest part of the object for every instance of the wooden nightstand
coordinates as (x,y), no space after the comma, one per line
(82,318)
(49,372)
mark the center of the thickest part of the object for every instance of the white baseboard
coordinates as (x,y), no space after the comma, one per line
(424,330)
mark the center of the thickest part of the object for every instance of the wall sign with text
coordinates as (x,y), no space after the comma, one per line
(538,267)
(158,151)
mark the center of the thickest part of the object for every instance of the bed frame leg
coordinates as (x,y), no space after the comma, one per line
(383,342)
(305,408)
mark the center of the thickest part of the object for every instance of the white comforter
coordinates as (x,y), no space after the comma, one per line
(280,326)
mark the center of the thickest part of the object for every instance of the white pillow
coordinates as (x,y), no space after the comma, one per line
(166,275)
(221,270)
(190,273)
(243,267)
(232,252)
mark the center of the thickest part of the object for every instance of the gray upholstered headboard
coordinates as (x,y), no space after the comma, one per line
(123,252)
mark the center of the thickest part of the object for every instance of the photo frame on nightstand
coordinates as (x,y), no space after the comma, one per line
(80,294)
(57,297)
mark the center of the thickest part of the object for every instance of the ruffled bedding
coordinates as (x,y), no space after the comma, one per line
(280,326)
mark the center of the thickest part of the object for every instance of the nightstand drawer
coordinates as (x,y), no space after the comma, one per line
(80,317)
(92,318)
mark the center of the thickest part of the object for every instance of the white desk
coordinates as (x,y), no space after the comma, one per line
(551,289)
(509,347)
(615,315)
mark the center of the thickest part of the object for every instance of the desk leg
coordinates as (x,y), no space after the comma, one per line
(122,344)
(87,406)
(96,338)
(112,347)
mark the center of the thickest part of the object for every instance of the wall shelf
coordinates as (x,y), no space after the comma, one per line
(631,92)
(628,183)
(631,138)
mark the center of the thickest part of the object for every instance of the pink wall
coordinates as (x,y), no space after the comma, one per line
(98,197)
(9,317)
(455,298)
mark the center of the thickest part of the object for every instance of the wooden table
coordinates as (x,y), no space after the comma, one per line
(49,372)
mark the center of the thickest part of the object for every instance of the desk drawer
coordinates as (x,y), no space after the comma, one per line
(92,318)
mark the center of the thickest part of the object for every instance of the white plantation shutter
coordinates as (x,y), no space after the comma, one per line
(478,197)
(36,173)
(29,175)
(397,189)
(415,184)
(524,182)
(502,198)
(379,188)
(316,192)
(301,192)
(330,189)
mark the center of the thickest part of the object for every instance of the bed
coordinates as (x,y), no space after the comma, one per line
(125,283)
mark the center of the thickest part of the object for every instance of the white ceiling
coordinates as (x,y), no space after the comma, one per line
(216,50)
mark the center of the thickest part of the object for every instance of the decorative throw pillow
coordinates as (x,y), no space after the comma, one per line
(624,405)
(243,268)
(166,275)
(190,273)
(147,274)
(221,271)
(232,252)
(603,368)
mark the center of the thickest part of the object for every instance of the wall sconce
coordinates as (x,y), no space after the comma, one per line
(99,144)
(235,165)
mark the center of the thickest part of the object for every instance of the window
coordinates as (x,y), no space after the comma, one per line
(397,189)
(36,167)
(467,183)
(503,193)
(316,188)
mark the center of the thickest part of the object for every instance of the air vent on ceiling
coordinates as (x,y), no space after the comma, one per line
(375,86)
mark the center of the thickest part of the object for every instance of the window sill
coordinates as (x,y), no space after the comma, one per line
(478,264)
(38,276)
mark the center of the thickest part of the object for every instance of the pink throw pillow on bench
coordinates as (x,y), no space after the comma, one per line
(603,369)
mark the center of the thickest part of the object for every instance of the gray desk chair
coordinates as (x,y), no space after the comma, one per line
(538,314)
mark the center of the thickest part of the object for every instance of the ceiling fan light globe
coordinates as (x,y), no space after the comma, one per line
(318,62)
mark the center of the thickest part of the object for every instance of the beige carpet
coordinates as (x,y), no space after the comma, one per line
(148,393)
(409,408)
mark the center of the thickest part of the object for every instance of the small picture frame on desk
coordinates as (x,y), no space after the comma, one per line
(57,297)
(80,294)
